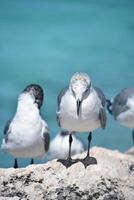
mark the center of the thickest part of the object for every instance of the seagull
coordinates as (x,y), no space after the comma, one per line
(59,145)
(27,135)
(122,108)
(81,108)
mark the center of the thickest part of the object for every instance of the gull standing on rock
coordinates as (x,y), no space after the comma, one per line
(122,108)
(59,145)
(81,107)
(26,135)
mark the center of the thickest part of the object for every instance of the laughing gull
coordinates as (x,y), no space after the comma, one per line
(26,135)
(122,108)
(81,108)
(59,145)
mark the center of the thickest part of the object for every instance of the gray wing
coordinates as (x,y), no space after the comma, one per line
(102,117)
(102,113)
(61,94)
(101,96)
(46,138)
(120,101)
(7,130)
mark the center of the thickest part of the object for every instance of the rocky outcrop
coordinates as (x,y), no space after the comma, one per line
(112,178)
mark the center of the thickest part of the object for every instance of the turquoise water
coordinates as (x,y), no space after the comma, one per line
(45,42)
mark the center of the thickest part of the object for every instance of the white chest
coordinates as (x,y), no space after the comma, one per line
(26,130)
(89,113)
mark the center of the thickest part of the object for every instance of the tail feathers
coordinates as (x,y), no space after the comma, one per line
(109,106)
(4,146)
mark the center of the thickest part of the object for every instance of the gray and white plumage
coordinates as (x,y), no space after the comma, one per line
(27,135)
(122,107)
(81,106)
(59,145)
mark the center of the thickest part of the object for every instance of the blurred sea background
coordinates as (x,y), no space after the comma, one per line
(46,41)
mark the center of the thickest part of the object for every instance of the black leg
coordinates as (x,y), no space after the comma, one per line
(89,142)
(15,163)
(69,161)
(70,143)
(88,160)
(133,136)
(32,161)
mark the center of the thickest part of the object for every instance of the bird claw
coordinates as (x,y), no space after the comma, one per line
(68,162)
(88,161)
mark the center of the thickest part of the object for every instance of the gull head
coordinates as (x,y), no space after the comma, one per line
(33,93)
(80,85)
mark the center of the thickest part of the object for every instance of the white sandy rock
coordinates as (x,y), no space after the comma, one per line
(111,179)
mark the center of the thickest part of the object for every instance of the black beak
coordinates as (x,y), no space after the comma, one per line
(109,106)
(78,107)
